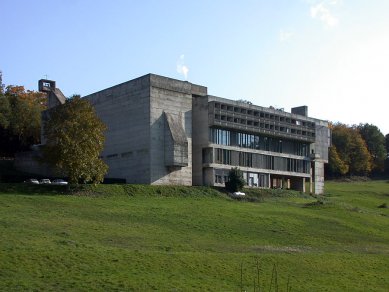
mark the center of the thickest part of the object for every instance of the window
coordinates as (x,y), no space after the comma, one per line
(222,156)
(259,142)
(245,159)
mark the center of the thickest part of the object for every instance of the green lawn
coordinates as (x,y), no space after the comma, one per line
(181,239)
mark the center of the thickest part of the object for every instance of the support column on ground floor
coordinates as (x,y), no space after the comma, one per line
(319,177)
(298,184)
(270,184)
(285,183)
(208,176)
(311,181)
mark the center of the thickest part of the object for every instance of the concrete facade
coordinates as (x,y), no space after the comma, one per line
(166,131)
(149,136)
(273,148)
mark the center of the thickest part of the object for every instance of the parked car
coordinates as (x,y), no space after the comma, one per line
(59,182)
(33,181)
(238,194)
(44,181)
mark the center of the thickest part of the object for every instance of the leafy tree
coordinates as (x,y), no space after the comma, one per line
(20,118)
(375,142)
(1,83)
(235,180)
(351,149)
(74,139)
(5,112)
(387,143)
(360,163)
(336,166)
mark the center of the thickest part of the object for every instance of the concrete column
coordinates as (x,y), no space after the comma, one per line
(284,183)
(311,181)
(319,177)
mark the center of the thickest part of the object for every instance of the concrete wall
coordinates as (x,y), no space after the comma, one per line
(200,126)
(135,113)
(125,109)
(29,162)
(322,140)
(174,98)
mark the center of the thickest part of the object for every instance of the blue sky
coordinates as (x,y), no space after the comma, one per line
(332,55)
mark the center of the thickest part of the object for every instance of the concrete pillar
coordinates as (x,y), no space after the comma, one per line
(270,185)
(311,181)
(319,177)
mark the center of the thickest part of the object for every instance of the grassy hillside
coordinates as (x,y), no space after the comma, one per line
(123,237)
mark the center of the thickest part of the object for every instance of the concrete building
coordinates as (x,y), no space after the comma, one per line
(166,131)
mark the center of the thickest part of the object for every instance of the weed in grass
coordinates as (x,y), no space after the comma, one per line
(274,280)
(384,206)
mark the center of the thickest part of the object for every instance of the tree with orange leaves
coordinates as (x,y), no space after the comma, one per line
(20,118)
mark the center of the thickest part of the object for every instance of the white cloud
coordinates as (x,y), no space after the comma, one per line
(323,12)
(181,67)
(285,35)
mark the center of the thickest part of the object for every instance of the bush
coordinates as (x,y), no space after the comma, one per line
(235,180)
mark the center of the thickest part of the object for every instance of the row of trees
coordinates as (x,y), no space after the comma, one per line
(357,150)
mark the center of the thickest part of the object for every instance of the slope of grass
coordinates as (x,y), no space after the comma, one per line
(126,237)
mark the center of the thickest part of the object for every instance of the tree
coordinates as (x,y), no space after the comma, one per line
(1,83)
(74,140)
(5,112)
(375,142)
(336,166)
(351,149)
(360,162)
(387,143)
(235,180)
(20,119)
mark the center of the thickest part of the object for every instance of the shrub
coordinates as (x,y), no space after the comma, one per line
(235,180)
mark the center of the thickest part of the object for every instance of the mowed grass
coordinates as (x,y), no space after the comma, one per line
(121,238)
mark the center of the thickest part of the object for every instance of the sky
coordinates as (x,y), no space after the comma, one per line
(331,55)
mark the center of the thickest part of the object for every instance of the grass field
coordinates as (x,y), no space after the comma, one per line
(122,237)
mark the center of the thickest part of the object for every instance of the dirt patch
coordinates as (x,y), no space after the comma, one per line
(282,249)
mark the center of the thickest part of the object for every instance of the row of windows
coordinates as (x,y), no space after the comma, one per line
(259,142)
(253,179)
(264,125)
(265,115)
(254,160)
